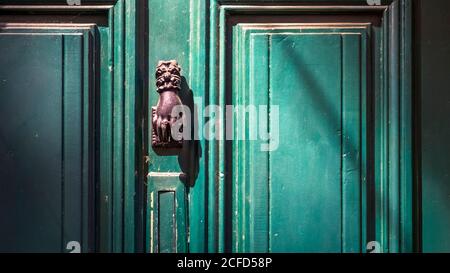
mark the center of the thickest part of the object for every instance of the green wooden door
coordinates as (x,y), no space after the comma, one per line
(333,84)
(303,191)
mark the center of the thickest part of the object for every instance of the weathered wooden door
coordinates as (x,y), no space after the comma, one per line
(317,158)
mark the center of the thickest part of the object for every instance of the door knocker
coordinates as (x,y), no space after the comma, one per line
(167,116)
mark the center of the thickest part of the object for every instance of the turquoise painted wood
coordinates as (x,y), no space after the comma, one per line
(46,151)
(119,187)
(385,135)
(315,165)
(202,200)
(169,177)
(167,214)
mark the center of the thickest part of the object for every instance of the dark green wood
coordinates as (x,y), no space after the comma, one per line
(406,131)
(166,222)
(118,165)
(75,193)
(119,213)
(105,187)
(393,148)
(132,146)
(46,195)
(393,132)
(117,17)
(213,98)
(166,214)
(198,194)
(432,43)
(114,73)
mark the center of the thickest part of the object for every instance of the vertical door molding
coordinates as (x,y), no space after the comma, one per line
(198,201)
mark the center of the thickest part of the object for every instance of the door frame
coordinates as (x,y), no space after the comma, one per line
(393,156)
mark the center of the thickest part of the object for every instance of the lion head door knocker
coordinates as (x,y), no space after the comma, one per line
(167,116)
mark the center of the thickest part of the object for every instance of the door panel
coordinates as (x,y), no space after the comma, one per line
(79,70)
(45,150)
(167,223)
(306,194)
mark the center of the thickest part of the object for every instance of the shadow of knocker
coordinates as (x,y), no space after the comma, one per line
(172,120)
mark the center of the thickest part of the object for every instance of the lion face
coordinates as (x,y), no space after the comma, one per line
(168,76)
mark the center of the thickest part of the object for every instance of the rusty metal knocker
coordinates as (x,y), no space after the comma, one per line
(166,119)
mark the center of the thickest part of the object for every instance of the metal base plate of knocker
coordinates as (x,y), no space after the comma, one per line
(166,139)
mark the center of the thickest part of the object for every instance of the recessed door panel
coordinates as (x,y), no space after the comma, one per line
(304,193)
(46,139)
